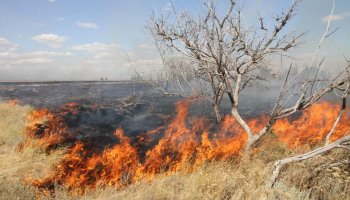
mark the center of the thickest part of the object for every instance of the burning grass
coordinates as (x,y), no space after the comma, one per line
(214,181)
(187,143)
(190,159)
(243,178)
(14,165)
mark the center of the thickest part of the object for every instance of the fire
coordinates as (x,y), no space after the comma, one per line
(185,144)
(79,170)
(312,126)
(49,128)
(12,102)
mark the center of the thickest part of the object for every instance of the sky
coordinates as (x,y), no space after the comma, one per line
(52,40)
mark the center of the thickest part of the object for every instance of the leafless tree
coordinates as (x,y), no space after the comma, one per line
(230,57)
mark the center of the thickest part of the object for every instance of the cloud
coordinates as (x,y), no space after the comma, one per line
(52,40)
(87,61)
(36,57)
(101,53)
(6,45)
(94,47)
(87,25)
(104,54)
(51,1)
(337,17)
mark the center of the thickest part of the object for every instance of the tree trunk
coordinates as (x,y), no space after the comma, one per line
(217,101)
(216,108)
(244,125)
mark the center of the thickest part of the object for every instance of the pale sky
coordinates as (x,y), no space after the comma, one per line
(48,40)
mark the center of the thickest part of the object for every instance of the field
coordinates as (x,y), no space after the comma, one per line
(97,113)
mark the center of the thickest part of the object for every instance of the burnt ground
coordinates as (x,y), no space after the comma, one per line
(55,94)
(100,112)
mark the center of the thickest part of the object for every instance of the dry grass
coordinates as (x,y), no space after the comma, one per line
(219,180)
(16,166)
(12,123)
(226,180)
(320,178)
(243,178)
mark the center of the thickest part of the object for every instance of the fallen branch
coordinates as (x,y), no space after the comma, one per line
(280,163)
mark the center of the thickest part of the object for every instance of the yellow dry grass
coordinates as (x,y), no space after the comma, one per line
(16,166)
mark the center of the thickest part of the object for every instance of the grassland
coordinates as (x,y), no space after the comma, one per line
(241,178)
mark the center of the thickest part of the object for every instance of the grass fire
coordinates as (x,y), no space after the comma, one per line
(215,99)
(183,144)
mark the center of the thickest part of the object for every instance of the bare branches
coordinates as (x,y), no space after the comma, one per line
(228,56)
(174,77)
(282,21)
(326,34)
(343,142)
(306,93)
(342,109)
(280,163)
(305,101)
(221,42)
(128,103)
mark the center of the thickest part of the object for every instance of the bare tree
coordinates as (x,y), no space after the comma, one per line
(231,57)
(228,55)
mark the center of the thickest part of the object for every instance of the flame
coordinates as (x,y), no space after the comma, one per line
(312,126)
(185,144)
(49,128)
(79,171)
(12,102)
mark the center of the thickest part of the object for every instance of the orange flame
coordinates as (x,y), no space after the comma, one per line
(12,102)
(186,143)
(48,128)
(312,126)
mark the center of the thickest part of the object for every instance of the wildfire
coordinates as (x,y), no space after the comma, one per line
(185,144)
(312,126)
(79,170)
(49,128)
